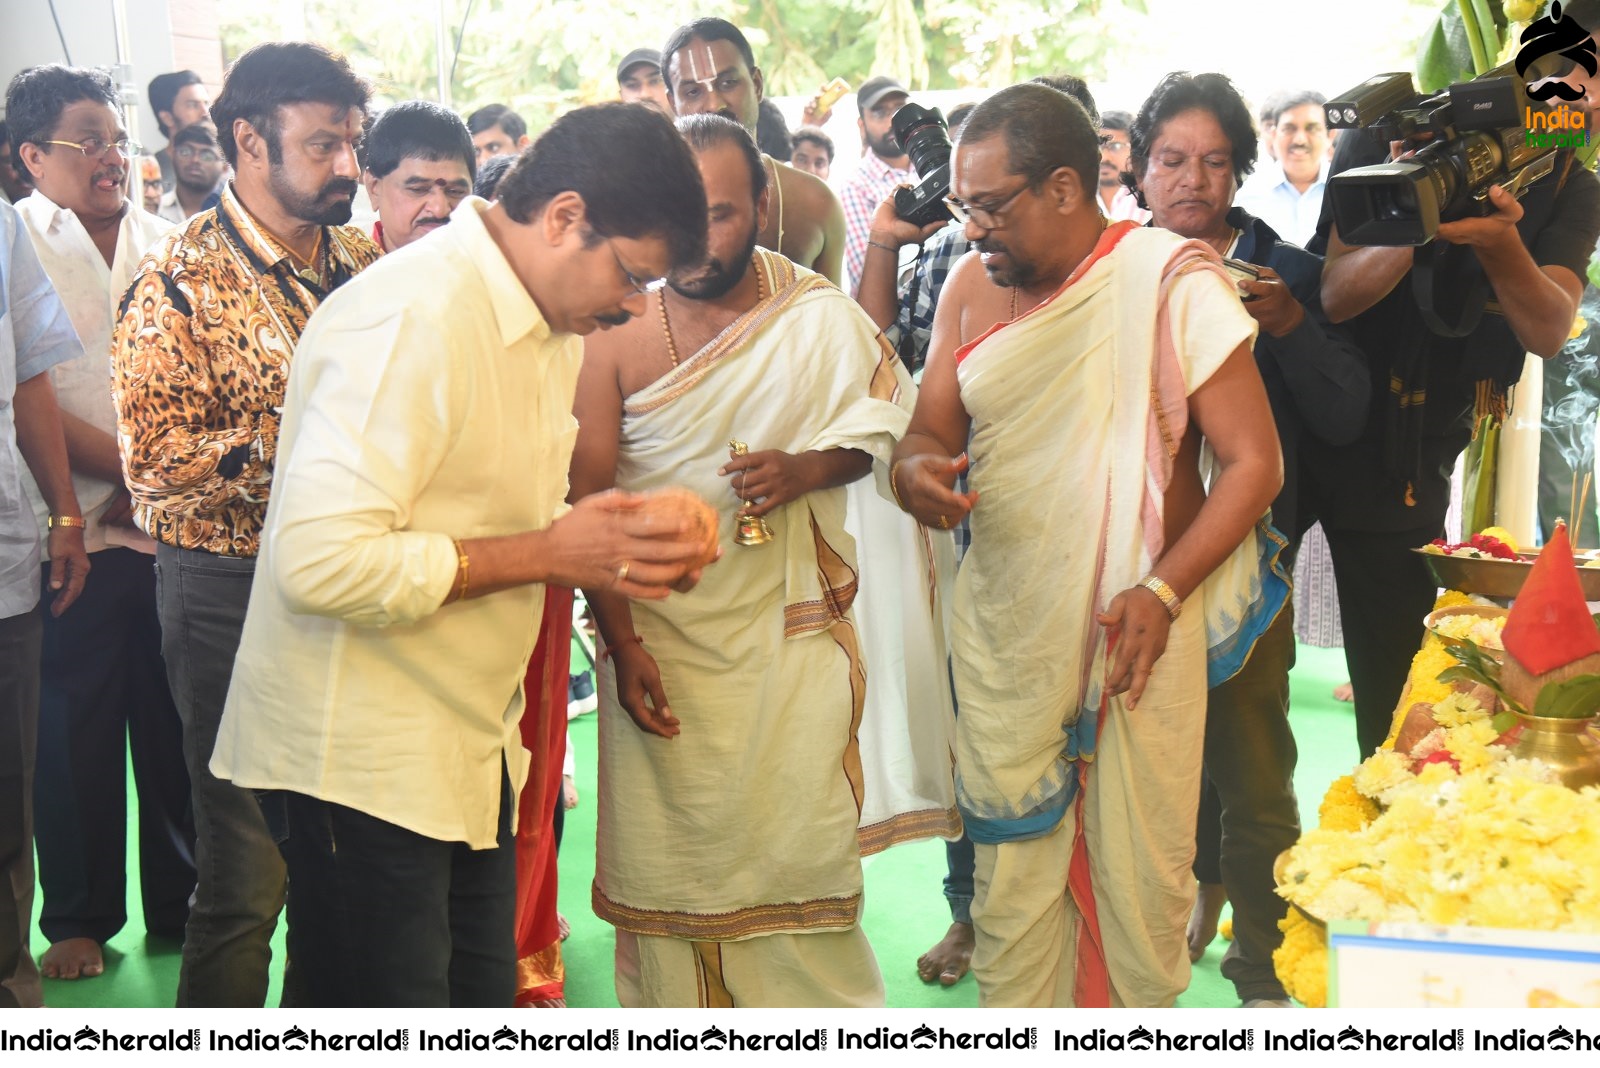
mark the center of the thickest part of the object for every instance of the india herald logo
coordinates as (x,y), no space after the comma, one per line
(1557,33)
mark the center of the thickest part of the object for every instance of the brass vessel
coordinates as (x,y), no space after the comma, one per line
(748,529)
(1569,746)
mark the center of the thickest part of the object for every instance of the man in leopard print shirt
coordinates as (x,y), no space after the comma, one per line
(200,363)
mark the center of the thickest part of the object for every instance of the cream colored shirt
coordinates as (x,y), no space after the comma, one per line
(91,291)
(430,400)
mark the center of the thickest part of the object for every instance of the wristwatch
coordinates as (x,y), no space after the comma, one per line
(1169,598)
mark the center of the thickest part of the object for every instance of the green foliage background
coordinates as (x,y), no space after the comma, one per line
(544,56)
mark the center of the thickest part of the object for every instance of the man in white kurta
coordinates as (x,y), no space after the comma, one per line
(103,684)
(1085,366)
(731,826)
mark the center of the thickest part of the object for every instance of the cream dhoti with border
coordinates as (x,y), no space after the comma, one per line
(749,825)
(1082,812)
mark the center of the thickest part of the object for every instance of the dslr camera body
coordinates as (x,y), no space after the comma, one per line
(1476,138)
(926,137)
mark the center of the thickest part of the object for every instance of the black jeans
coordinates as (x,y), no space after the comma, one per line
(382,916)
(1249,794)
(240,878)
(103,681)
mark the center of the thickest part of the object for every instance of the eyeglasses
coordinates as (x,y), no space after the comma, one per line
(204,155)
(1113,145)
(94,148)
(988,218)
(641,287)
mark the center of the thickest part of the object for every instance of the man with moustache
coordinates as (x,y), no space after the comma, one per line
(198,163)
(729,718)
(1078,746)
(420,165)
(200,365)
(884,167)
(1287,194)
(710,68)
(103,690)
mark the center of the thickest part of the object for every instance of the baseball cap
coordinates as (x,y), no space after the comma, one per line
(636,57)
(875,89)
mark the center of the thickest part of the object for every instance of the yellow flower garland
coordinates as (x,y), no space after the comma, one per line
(1445,850)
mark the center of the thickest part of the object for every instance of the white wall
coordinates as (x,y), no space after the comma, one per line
(28,37)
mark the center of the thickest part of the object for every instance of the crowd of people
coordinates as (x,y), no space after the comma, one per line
(1006,508)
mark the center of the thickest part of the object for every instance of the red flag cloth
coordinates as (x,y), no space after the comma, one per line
(541,974)
(1549,625)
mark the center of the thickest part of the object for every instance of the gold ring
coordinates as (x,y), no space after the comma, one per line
(622,573)
(944,524)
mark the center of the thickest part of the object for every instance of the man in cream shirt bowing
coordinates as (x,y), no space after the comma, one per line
(417,511)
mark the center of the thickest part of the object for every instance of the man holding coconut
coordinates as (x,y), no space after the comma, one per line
(417,514)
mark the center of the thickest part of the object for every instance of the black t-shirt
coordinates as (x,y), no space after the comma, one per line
(1354,486)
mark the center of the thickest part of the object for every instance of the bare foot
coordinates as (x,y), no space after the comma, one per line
(71,958)
(1203,920)
(1344,692)
(563,928)
(950,959)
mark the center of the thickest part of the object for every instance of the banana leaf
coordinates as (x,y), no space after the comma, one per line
(1463,42)
(1481,466)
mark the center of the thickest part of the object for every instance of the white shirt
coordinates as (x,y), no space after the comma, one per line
(429,401)
(92,293)
(1269,195)
(170,209)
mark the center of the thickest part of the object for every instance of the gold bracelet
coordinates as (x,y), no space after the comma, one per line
(893,471)
(66,521)
(465,567)
(1169,597)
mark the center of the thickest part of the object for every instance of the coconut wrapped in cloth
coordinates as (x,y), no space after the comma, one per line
(676,505)
(1550,635)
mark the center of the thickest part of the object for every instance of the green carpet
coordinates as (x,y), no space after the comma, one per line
(906,911)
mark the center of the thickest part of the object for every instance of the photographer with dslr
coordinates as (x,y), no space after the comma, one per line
(1192,145)
(1386,493)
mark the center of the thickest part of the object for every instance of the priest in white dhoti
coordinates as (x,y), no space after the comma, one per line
(739,786)
(1087,362)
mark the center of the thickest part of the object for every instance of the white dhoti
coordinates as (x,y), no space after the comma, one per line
(1081,811)
(749,825)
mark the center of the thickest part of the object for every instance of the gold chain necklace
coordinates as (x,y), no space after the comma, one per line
(666,324)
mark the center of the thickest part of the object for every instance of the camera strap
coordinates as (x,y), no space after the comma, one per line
(906,344)
(1457,309)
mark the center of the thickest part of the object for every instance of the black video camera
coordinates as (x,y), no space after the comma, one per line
(1478,139)
(926,137)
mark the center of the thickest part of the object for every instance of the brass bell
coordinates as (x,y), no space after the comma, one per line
(749,529)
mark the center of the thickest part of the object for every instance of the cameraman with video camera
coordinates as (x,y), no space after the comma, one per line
(1387,493)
